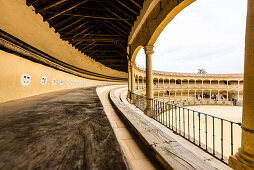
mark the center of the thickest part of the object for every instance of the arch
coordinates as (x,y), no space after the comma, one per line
(159,17)
(135,52)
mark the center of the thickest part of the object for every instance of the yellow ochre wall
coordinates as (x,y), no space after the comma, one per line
(22,22)
(12,67)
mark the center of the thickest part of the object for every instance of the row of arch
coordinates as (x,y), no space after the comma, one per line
(173,96)
(184,83)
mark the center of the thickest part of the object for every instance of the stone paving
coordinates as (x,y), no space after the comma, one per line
(67,132)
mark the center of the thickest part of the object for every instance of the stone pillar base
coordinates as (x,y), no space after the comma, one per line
(148,112)
(240,161)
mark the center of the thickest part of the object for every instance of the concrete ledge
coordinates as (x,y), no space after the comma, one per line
(169,152)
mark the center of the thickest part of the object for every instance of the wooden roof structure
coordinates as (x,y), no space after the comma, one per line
(97,28)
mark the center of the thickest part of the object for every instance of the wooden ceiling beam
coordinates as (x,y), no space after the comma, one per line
(58,25)
(87,49)
(96,35)
(65,10)
(121,11)
(49,5)
(87,46)
(78,27)
(131,10)
(117,28)
(134,2)
(78,42)
(93,52)
(69,25)
(87,16)
(98,39)
(99,44)
(109,10)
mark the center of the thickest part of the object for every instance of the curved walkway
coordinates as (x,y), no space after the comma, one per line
(70,131)
(130,144)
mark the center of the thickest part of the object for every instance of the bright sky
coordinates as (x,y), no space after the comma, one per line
(209,34)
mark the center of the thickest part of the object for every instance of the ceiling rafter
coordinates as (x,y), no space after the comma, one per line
(121,11)
(133,11)
(109,10)
(134,2)
(78,27)
(99,35)
(50,5)
(98,39)
(69,25)
(88,16)
(65,10)
(117,28)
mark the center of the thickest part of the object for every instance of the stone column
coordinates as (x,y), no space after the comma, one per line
(132,81)
(175,83)
(210,84)
(227,95)
(195,93)
(210,95)
(188,84)
(238,84)
(138,83)
(143,82)
(188,95)
(202,94)
(238,95)
(218,83)
(181,95)
(149,80)
(169,84)
(129,79)
(227,84)
(244,158)
(163,83)
(202,84)
(218,97)
(195,84)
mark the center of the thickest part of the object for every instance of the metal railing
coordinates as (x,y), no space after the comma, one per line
(217,136)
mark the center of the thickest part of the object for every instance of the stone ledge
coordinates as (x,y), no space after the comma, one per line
(169,152)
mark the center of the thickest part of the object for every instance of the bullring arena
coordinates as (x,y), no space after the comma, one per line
(189,95)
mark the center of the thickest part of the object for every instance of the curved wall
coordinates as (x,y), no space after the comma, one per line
(12,86)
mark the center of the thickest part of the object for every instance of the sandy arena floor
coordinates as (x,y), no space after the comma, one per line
(202,128)
(233,113)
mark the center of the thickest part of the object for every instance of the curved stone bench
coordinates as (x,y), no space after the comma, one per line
(169,152)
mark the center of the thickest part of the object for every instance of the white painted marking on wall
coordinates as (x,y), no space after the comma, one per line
(53,81)
(25,79)
(43,80)
(61,82)
(67,82)
(71,82)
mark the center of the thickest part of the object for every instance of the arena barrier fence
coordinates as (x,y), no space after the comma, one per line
(208,132)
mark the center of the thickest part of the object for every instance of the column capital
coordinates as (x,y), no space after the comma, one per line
(149,49)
